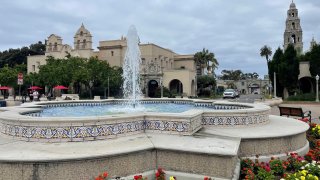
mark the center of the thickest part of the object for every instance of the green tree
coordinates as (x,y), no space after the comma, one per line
(8,76)
(205,84)
(289,70)
(231,74)
(77,73)
(274,68)
(266,51)
(114,74)
(253,75)
(13,57)
(314,58)
(206,81)
(206,59)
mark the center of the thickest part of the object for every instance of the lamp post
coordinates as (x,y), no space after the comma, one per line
(108,87)
(317,88)
(161,85)
(275,85)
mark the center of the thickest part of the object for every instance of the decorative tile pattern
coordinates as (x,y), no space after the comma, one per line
(236,119)
(71,132)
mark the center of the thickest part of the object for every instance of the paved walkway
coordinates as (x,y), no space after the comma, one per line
(314,108)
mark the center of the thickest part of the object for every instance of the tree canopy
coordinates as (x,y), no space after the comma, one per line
(286,66)
(13,57)
(77,72)
(237,75)
(206,59)
(266,51)
(313,56)
(74,72)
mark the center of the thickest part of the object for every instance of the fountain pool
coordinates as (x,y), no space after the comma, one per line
(102,109)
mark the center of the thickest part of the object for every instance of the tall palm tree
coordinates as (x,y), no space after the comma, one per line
(266,51)
(206,59)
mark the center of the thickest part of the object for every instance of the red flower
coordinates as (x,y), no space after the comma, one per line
(267,168)
(136,177)
(206,178)
(157,174)
(105,174)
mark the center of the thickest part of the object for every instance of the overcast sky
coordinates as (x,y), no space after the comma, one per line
(234,30)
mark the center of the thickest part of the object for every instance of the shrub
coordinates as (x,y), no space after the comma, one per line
(302,97)
(277,167)
(315,131)
(265,174)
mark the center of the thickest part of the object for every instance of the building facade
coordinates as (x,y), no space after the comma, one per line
(247,86)
(159,67)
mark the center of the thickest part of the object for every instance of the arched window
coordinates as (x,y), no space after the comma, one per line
(293,25)
(50,47)
(55,48)
(293,38)
(292,15)
(81,33)
(78,44)
(84,44)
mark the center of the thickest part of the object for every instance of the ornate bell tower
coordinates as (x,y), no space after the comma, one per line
(293,32)
(82,39)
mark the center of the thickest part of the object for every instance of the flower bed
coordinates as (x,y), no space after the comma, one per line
(159,175)
(294,168)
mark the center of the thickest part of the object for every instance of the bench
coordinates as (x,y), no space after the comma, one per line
(296,111)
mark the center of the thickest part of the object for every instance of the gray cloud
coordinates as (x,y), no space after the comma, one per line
(234,30)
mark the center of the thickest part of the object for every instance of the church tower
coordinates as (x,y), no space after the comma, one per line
(293,32)
(312,43)
(82,39)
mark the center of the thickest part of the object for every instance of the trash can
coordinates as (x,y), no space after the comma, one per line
(3,103)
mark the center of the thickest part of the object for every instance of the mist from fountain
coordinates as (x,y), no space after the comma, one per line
(131,66)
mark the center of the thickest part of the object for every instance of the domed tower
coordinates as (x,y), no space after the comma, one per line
(82,39)
(293,32)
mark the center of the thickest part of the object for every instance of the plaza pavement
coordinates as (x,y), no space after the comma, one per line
(306,106)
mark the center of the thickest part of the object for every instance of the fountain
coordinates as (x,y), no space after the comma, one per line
(193,139)
(131,68)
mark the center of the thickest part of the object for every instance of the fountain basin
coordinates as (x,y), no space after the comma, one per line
(23,122)
(203,142)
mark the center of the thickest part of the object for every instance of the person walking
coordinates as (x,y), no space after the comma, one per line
(35,95)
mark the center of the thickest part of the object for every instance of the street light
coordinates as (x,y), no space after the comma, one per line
(108,87)
(161,85)
(317,88)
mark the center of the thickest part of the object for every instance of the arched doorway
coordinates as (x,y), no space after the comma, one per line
(152,86)
(176,87)
(306,85)
(254,88)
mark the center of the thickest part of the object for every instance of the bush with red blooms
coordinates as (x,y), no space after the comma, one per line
(160,174)
(285,169)
(102,176)
(273,169)
(139,177)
